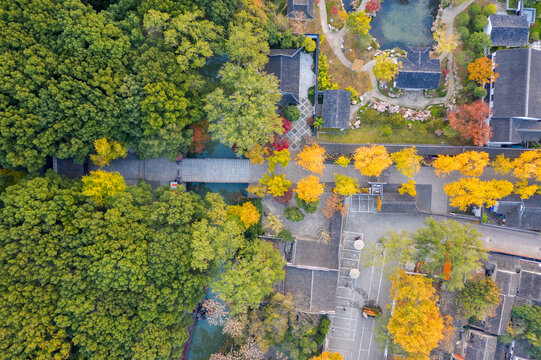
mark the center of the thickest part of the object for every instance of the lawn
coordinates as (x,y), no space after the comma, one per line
(358,45)
(368,134)
(343,76)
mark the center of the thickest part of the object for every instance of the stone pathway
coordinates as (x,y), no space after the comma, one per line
(300,128)
(536,45)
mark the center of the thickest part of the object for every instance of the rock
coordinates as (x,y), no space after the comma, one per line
(357,123)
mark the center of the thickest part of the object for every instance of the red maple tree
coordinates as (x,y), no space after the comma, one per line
(335,10)
(469,121)
(278,144)
(373,6)
(286,198)
(200,136)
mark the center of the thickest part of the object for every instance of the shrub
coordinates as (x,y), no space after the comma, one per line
(490,9)
(475,9)
(310,121)
(471,85)
(308,44)
(292,113)
(319,338)
(309,207)
(463,32)
(286,124)
(479,22)
(395,120)
(294,214)
(369,116)
(311,93)
(535,36)
(465,57)
(285,235)
(286,198)
(385,131)
(278,144)
(479,92)
(462,19)
(323,326)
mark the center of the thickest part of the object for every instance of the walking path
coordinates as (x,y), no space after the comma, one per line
(410,99)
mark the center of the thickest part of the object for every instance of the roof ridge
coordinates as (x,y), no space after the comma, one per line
(528,70)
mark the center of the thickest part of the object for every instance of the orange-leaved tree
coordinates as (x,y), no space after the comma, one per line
(328,356)
(335,203)
(472,191)
(372,160)
(407,161)
(408,188)
(528,165)
(345,185)
(469,121)
(482,71)
(312,158)
(247,213)
(416,324)
(310,189)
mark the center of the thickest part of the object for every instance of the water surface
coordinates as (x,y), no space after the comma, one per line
(402,23)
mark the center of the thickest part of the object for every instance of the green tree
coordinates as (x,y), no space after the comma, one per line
(479,298)
(479,42)
(251,278)
(433,244)
(247,45)
(115,280)
(243,111)
(526,324)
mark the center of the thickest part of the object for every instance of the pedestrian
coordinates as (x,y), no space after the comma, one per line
(333,330)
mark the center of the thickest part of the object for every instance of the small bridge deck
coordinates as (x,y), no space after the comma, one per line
(219,171)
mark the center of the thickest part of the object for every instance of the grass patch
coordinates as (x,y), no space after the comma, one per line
(367,134)
(343,76)
(358,45)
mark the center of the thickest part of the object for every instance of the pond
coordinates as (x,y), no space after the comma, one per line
(206,340)
(403,23)
(231,192)
(217,150)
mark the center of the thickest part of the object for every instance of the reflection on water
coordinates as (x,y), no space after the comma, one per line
(402,23)
(206,341)
(231,192)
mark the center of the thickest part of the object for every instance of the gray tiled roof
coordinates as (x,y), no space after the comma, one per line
(517,91)
(480,346)
(418,70)
(335,112)
(304,6)
(509,30)
(514,130)
(285,64)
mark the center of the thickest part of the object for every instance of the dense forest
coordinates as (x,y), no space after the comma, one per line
(134,71)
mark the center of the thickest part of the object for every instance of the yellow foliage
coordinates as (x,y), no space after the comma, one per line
(257,154)
(407,161)
(482,71)
(445,44)
(273,224)
(281,157)
(472,191)
(343,161)
(470,163)
(416,324)
(101,184)
(247,213)
(328,356)
(528,165)
(310,189)
(385,67)
(106,151)
(345,185)
(371,161)
(276,185)
(524,190)
(312,159)
(257,189)
(408,188)
(502,165)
